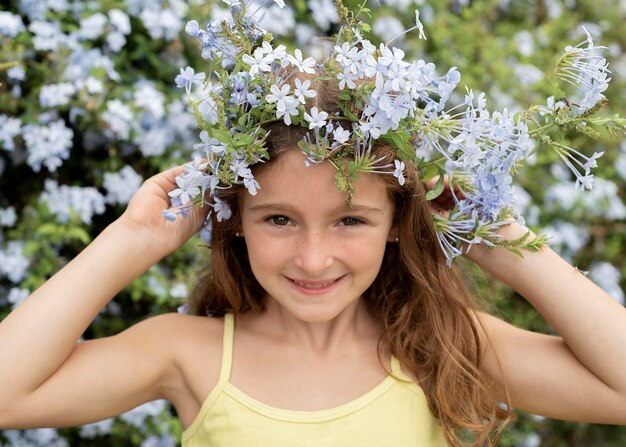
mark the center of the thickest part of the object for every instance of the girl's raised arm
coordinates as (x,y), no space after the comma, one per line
(46,378)
(577,376)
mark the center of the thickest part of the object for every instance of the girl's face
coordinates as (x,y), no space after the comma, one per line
(309,251)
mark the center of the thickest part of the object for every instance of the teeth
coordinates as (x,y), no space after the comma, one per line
(316,286)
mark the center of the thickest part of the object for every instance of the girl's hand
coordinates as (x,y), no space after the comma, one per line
(444,203)
(144,213)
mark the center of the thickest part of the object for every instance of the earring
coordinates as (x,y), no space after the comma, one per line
(397,239)
(237,234)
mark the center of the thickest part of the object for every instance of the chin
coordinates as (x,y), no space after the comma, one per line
(315,313)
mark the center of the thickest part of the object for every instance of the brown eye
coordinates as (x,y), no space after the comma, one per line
(279,220)
(351,221)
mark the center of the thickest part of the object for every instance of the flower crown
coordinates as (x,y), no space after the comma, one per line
(382,97)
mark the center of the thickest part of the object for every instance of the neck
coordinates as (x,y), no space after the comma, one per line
(353,324)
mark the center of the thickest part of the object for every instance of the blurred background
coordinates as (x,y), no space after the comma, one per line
(89,108)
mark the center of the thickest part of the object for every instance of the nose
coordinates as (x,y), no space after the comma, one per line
(314,253)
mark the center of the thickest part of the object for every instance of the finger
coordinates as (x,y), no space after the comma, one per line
(169,175)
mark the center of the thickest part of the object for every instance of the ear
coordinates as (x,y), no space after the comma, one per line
(393,233)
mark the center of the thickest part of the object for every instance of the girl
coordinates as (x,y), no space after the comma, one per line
(334,325)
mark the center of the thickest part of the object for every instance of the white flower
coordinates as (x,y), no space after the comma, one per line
(251,185)
(281,97)
(369,129)
(188,77)
(279,53)
(305,65)
(259,61)
(347,79)
(317,119)
(301,91)
(341,135)
(398,173)
(290,110)
(280,3)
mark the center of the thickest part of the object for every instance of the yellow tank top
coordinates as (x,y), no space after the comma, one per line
(394,413)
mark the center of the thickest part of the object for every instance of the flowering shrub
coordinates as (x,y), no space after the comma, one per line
(90,106)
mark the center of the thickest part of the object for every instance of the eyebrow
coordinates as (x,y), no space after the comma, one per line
(265,207)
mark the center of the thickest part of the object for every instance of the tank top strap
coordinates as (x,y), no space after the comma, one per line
(227,348)
(396,370)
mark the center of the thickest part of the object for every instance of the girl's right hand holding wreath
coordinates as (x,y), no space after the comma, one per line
(144,213)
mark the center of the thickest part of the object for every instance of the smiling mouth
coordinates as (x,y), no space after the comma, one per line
(314,285)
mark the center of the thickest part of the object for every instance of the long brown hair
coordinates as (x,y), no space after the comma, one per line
(428,316)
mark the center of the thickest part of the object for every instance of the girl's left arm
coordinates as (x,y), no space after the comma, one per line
(579,375)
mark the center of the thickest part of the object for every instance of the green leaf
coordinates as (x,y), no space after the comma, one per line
(345,95)
(223,135)
(242,140)
(437,190)
(79,234)
(400,141)
(48,229)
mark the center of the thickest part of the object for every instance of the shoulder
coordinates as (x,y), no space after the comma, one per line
(173,330)
(191,345)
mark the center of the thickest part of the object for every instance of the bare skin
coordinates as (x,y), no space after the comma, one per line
(49,380)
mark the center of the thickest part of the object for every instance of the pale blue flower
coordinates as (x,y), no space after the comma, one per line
(121,185)
(95,429)
(188,77)
(8,217)
(47,145)
(148,97)
(280,96)
(9,129)
(118,117)
(399,171)
(608,277)
(64,200)
(279,53)
(341,135)
(92,27)
(347,79)
(192,28)
(206,233)
(587,70)
(278,21)
(368,129)
(251,185)
(163,23)
(317,118)
(302,91)
(17,296)
(47,36)
(290,110)
(346,54)
(577,162)
(304,65)
(150,411)
(56,95)
(210,145)
(13,262)
(324,13)
(16,73)
(222,210)
(387,27)
(259,61)
(10,24)
(154,140)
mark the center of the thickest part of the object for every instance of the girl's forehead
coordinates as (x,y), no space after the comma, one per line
(288,180)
